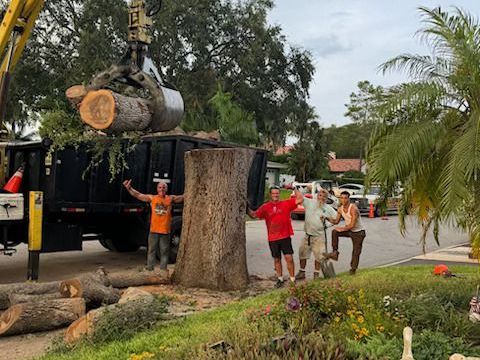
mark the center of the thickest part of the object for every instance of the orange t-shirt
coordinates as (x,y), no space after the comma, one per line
(161,214)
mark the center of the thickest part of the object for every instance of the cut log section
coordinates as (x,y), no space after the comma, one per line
(106,110)
(213,240)
(40,316)
(92,287)
(25,289)
(85,326)
(75,94)
(130,278)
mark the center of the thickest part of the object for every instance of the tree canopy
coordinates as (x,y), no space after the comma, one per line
(197,44)
(428,139)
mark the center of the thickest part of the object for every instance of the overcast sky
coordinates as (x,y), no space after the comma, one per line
(349,39)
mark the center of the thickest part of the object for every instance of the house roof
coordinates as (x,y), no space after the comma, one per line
(284,150)
(343,165)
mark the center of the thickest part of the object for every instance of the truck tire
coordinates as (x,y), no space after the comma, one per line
(125,238)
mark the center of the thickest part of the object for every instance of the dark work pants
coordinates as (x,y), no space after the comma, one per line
(357,241)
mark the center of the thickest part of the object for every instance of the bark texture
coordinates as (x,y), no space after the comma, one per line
(25,289)
(21,298)
(111,112)
(40,316)
(126,279)
(212,251)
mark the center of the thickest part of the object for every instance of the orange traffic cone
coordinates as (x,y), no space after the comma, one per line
(371,212)
(13,185)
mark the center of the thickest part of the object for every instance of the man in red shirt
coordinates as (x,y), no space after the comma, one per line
(279,227)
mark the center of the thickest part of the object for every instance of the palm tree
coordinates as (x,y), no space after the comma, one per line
(429,138)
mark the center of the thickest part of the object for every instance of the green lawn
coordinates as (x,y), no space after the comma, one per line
(350,308)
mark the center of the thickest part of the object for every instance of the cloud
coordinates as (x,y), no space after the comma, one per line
(326,45)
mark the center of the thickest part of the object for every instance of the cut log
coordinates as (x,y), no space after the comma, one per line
(85,326)
(133,293)
(25,289)
(106,110)
(21,298)
(126,279)
(75,94)
(94,288)
(40,316)
(212,252)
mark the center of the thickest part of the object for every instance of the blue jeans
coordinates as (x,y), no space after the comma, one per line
(158,242)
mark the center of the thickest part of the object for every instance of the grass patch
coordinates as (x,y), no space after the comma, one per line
(363,317)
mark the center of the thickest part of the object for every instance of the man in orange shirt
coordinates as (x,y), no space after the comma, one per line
(161,219)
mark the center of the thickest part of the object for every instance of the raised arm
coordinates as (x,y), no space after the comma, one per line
(177,199)
(298,196)
(136,194)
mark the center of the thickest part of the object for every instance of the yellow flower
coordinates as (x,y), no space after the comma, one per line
(354,326)
(142,356)
(337,319)
(360,319)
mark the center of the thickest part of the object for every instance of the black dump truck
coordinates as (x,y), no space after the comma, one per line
(82,203)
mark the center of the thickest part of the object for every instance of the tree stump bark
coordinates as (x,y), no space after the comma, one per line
(113,113)
(212,250)
(40,316)
(21,298)
(130,278)
(94,288)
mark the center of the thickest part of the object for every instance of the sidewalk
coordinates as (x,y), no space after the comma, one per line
(454,255)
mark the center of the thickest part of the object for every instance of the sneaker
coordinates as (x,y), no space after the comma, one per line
(279,284)
(333,255)
(300,275)
(352,271)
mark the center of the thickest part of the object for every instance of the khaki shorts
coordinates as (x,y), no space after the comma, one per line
(317,246)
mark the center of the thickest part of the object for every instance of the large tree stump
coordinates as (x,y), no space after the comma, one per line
(130,278)
(40,316)
(212,250)
(111,112)
(94,288)
(25,289)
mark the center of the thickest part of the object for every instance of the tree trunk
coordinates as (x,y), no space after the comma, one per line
(40,316)
(113,113)
(25,289)
(212,251)
(75,94)
(126,279)
(85,326)
(92,287)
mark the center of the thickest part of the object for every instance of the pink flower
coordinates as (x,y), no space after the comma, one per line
(267,310)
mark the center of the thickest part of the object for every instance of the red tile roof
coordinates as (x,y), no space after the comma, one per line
(343,165)
(284,150)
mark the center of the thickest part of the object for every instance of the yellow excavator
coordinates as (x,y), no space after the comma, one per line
(136,69)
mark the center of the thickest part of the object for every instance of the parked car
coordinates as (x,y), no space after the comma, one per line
(316,186)
(353,189)
(363,201)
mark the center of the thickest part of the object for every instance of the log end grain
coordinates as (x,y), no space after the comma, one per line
(98,109)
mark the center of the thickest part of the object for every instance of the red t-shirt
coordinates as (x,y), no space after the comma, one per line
(277,218)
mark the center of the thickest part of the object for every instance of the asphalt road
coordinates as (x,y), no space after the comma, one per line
(383,245)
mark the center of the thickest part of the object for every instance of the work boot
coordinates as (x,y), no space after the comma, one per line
(333,255)
(300,275)
(279,284)
(352,271)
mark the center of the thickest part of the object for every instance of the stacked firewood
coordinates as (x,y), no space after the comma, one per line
(80,301)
